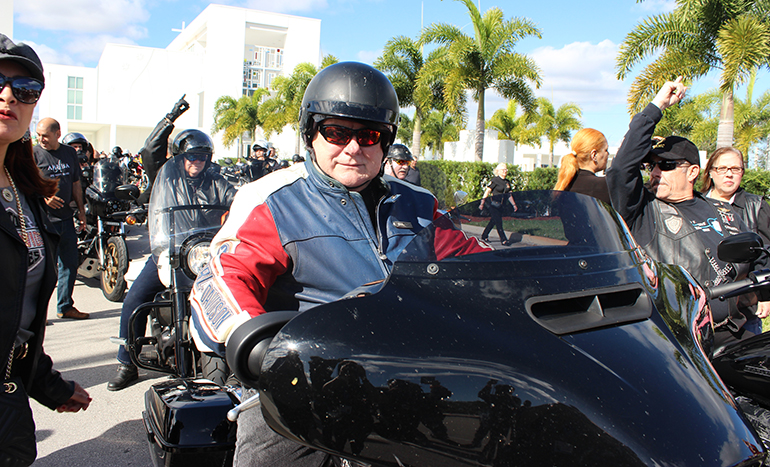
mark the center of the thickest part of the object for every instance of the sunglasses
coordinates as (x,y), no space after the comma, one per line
(27,90)
(193,157)
(664,166)
(400,162)
(341,135)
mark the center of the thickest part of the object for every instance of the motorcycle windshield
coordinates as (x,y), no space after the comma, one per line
(532,223)
(107,175)
(177,211)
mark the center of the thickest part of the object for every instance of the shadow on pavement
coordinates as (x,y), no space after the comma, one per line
(118,444)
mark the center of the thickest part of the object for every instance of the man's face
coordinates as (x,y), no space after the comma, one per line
(398,168)
(673,185)
(48,139)
(78,147)
(194,167)
(260,154)
(352,165)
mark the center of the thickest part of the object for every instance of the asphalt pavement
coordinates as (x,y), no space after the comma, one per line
(110,432)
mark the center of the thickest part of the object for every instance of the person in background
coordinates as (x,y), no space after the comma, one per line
(721,180)
(671,221)
(413,176)
(578,169)
(397,162)
(183,180)
(501,188)
(60,162)
(28,242)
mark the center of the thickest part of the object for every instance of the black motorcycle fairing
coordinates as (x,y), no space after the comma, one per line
(444,365)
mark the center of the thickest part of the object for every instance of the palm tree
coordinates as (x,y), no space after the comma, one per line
(402,61)
(521,129)
(440,127)
(557,124)
(283,108)
(697,37)
(236,117)
(405,131)
(486,60)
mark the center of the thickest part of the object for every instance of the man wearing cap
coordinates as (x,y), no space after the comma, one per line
(60,161)
(672,222)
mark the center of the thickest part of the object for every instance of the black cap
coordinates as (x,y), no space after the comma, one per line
(676,148)
(23,55)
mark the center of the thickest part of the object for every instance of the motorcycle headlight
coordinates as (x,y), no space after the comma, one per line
(195,255)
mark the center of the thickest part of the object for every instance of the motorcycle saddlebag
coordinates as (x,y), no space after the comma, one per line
(186,423)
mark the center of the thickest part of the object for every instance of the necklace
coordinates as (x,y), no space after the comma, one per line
(20,211)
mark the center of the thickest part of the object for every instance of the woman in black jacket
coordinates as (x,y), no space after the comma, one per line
(28,245)
(721,180)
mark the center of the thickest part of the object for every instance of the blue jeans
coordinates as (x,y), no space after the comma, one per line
(143,290)
(67,259)
(754,325)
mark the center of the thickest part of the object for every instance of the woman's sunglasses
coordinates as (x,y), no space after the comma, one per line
(341,135)
(665,166)
(27,90)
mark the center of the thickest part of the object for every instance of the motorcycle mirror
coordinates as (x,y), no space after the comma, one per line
(460,197)
(247,346)
(744,247)
(127,192)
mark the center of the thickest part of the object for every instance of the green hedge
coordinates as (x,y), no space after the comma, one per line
(443,178)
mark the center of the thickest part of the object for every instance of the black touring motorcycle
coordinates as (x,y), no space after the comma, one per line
(102,244)
(570,347)
(185,417)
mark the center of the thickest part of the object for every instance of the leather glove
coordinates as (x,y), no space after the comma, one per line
(179,108)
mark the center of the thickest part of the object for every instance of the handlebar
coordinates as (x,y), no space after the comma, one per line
(753,281)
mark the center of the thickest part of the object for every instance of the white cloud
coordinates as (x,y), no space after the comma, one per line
(368,56)
(286,6)
(117,17)
(49,55)
(582,73)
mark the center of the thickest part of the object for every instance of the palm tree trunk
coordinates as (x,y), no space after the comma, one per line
(480,128)
(726,123)
(550,157)
(416,134)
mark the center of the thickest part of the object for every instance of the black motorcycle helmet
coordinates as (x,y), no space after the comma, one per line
(193,141)
(77,138)
(117,152)
(349,90)
(400,152)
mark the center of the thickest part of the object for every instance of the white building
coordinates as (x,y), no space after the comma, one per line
(225,51)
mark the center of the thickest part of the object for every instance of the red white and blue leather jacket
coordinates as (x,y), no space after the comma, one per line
(297,238)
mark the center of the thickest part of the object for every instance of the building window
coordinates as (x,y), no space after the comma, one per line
(74,98)
(260,67)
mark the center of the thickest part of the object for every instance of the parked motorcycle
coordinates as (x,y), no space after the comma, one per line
(102,244)
(185,417)
(570,347)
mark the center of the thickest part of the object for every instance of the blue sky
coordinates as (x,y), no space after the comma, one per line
(576,53)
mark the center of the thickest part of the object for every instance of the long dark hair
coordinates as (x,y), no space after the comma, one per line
(26,175)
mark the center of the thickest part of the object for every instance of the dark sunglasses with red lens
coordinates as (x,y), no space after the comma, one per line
(341,136)
(27,90)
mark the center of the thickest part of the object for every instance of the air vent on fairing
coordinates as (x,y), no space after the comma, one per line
(589,309)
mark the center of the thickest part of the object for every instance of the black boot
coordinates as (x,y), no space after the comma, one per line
(127,374)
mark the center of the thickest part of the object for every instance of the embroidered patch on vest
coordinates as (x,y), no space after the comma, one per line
(674,224)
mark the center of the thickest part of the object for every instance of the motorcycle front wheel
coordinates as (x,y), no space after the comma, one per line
(115,266)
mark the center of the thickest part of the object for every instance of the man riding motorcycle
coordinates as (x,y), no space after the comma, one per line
(185,180)
(311,233)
